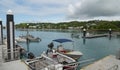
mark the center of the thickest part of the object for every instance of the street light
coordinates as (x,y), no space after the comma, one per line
(110,29)
(27,38)
(84,29)
(84,32)
(110,32)
(27,29)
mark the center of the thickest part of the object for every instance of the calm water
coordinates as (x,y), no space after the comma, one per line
(93,48)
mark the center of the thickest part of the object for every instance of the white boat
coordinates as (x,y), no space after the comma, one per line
(19,39)
(43,63)
(73,35)
(69,52)
(52,61)
(30,38)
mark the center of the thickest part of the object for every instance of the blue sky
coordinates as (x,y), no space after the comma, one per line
(60,10)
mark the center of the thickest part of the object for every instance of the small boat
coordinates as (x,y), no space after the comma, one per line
(69,52)
(52,61)
(42,63)
(67,62)
(19,39)
(33,39)
(73,35)
(30,38)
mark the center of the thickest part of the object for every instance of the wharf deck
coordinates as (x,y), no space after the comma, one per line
(14,65)
(108,63)
(95,36)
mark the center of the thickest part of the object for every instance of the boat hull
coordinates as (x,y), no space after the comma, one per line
(76,57)
(73,54)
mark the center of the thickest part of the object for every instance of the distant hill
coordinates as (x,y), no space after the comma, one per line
(92,25)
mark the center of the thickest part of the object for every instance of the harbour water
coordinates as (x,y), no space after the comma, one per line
(96,48)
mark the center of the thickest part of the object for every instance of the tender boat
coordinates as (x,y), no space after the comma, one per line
(73,35)
(43,63)
(19,39)
(28,37)
(68,63)
(69,52)
(52,61)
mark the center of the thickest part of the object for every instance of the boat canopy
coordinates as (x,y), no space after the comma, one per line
(62,40)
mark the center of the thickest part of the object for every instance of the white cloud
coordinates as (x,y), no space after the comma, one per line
(95,8)
(36,7)
(83,9)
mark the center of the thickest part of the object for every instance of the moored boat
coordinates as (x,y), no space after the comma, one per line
(67,62)
(43,63)
(69,52)
(52,61)
(19,39)
(30,38)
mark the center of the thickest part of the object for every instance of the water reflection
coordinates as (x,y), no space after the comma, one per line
(84,41)
(94,48)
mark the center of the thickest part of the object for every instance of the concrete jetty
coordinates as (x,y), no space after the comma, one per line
(14,65)
(95,36)
(108,63)
(11,65)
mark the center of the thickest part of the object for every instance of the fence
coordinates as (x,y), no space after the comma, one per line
(6,52)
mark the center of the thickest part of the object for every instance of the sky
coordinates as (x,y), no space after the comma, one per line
(60,10)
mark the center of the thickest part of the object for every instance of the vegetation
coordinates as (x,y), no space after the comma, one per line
(92,25)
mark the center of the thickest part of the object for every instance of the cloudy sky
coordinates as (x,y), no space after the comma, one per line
(60,10)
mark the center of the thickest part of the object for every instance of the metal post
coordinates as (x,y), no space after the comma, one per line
(27,38)
(1,33)
(110,32)
(84,35)
(84,32)
(27,30)
(10,35)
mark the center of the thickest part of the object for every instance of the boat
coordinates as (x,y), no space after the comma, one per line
(33,39)
(42,63)
(29,37)
(69,52)
(52,61)
(73,35)
(19,39)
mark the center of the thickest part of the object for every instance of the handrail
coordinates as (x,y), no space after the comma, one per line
(5,53)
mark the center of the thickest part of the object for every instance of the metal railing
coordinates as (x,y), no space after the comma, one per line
(6,52)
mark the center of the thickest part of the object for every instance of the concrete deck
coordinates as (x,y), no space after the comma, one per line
(14,65)
(108,63)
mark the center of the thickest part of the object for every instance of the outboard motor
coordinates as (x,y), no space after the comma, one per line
(31,55)
(51,45)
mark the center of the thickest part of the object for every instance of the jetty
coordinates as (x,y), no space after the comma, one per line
(10,65)
(95,36)
(107,63)
(13,65)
